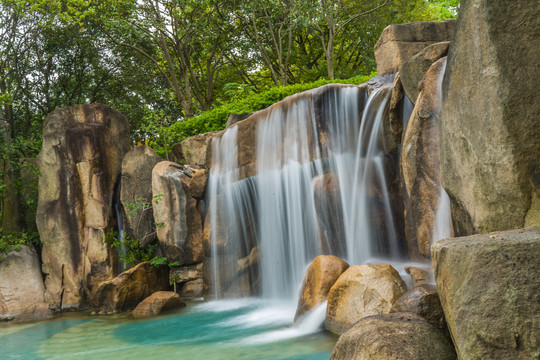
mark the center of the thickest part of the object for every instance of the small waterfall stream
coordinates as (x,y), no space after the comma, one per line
(274,220)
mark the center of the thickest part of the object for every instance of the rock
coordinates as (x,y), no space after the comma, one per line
(234,118)
(129,288)
(420,159)
(136,190)
(37,312)
(490,120)
(189,280)
(393,123)
(180,231)
(362,290)
(80,162)
(193,150)
(198,183)
(490,292)
(401,336)
(327,200)
(159,302)
(321,274)
(423,300)
(420,276)
(413,71)
(192,289)
(21,283)
(398,43)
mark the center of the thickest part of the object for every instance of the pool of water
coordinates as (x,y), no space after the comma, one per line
(246,329)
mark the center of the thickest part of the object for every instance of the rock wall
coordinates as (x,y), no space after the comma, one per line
(490,121)
(80,162)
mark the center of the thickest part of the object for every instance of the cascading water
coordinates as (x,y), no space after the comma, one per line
(120,226)
(272,220)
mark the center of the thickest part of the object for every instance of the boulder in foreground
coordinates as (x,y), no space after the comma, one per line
(159,302)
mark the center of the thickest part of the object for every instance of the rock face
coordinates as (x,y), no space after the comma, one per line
(420,160)
(423,301)
(159,302)
(80,161)
(398,43)
(327,199)
(21,283)
(321,274)
(413,71)
(362,290)
(490,292)
(179,228)
(129,288)
(193,150)
(401,336)
(490,121)
(136,190)
(189,280)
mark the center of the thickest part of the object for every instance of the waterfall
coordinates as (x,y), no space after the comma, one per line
(267,227)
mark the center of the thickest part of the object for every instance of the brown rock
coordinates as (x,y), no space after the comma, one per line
(420,276)
(159,302)
(136,190)
(80,162)
(362,290)
(189,280)
(180,231)
(327,200)
(413,71)
(400,336)
(21,283)
(129,288)
(192,289)
(398,43)
(35,312)
(234,118)
(193,150)
(393,123)
(423,301)
(321,274)
(420,159)
(490,120)
(490,292)
(198,183)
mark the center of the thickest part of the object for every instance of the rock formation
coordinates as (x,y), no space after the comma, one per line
(362,290)
(80,162)
(321,275)
(490,291)
(400,336)
(193,150)
(136,194)
(490,120)
(159,302)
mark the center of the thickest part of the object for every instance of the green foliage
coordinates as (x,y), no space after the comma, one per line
(133,253)
(12,241)
(216,119)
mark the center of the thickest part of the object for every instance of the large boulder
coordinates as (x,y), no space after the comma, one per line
(21,284)
(80,162)
(362,290)
(398,43)
(193,150)
(413,71)
(400,336)
(136,193)
(420,160)
(490,292)
(423,300)
(129,288)
(490,120)
(179,221)
(159,302)
(321,274)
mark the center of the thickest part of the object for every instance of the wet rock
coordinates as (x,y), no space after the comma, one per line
(129,288)
(362,290)
(234,118)
(413,71)
(37,312)
(490,292)
(198,183)
(419,275)
(193,150)
(80,162)
(423,300)
(321,274)
(189,280)
(179,229)
(21,284)
(490,120)
(192,289)
(398,43)
(400,336)
(136,190)
(420,159)
(158,303)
